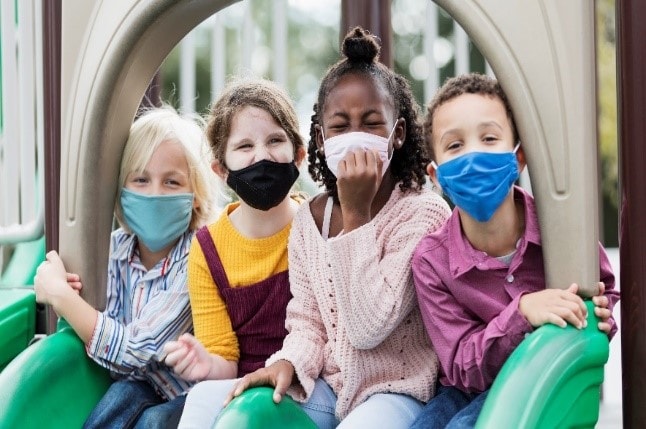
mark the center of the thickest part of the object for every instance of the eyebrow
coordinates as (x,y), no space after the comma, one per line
(489,124)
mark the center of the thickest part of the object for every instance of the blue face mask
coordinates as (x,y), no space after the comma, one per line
(478,182)
(156,220)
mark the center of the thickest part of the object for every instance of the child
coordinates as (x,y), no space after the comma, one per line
(165,195)
(238,277)
(356,354)
(492,241)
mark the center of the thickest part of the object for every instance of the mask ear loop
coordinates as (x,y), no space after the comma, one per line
(516,148)
(390,158)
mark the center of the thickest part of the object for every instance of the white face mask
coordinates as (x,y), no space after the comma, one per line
(338,146)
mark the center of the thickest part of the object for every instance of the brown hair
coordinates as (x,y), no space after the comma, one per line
(470,83)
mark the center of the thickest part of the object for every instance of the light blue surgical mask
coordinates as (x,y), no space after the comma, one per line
(156,220)
(478,182)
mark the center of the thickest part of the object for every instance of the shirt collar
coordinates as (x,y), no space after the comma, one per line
(463,257)
(125,251)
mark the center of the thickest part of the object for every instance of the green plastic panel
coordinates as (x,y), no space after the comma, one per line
(21,268)
(52,384)
(552,380)
(255,409)
(17,322)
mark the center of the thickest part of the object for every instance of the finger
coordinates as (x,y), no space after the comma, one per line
(604,327)
(600,301)
(72,277)
(184,363)
(555,319)
(238,388)
(574,318)
(77,286)
(602,313)
(282,384)
(52,257)
(570,296)
(602,288)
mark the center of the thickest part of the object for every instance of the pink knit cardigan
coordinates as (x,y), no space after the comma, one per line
(354,318)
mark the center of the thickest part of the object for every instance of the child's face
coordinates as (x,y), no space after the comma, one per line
(255,136)
(166,173)
(470,123)
(357,103)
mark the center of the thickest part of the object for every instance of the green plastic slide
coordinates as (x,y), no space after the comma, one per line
(255,409)
(52,384)
(552,380)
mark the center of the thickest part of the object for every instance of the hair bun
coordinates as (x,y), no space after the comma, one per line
(360,46)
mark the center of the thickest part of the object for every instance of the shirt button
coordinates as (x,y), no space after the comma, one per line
(510,278)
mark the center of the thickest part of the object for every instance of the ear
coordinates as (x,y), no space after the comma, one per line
(319,137)
(399,136)
(219,169)
(520,156)
(299,156)
(432,173)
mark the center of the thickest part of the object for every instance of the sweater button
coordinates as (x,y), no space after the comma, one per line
(510,278)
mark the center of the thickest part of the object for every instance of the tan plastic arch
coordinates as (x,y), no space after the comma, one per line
(110,52)
(542,51)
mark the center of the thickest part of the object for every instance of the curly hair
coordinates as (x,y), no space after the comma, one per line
(470,83)
(361,52)
(260,93)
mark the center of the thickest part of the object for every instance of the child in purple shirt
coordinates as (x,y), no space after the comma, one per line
(480,279)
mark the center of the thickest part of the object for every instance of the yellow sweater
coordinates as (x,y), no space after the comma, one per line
(246,261)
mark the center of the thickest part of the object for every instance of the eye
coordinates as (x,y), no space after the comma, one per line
(490,138)
(455,145)
(276,140)
(139,179)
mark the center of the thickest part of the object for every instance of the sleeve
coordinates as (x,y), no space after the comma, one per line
(471,352)
(608,278)
(374,288)
(122,347)
(211,320)
(304,344)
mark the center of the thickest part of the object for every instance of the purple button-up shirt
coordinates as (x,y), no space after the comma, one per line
(469,300)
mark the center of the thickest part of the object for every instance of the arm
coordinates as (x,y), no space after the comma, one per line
(52,287)
(471,352)
(373,281)
(191,361)
(124,347)
(211,321)
(304,344)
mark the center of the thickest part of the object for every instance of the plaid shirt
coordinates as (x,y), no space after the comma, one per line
(144,310)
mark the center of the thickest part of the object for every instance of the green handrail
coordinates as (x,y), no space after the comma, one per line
(552,380)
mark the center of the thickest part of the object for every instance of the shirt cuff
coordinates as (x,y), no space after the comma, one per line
(106,341)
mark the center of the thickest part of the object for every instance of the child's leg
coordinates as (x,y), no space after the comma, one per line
(468,416)
(447,402)
(164,415)
(122,405)
(384,410)
(204,403)
(320,407)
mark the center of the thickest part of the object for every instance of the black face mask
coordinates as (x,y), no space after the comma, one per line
(265,184)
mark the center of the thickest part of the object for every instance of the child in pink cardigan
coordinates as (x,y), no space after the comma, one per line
(356,354)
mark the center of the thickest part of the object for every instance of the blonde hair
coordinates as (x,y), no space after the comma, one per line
(161,124)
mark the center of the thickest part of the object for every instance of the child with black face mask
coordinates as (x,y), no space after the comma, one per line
(238,277)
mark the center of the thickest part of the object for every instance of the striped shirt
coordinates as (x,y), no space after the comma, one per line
(144,310)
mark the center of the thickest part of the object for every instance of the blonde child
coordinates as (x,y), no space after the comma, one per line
(165,195)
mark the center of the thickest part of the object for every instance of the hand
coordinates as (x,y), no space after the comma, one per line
(555,306)
(74,280)
(188,358)
(601,309)
(359,178)
(279,374)
(51,279)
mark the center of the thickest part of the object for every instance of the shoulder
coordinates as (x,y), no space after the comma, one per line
(434,245)
(121,244)
(425,205)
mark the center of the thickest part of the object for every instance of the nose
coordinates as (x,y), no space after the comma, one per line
(262,153)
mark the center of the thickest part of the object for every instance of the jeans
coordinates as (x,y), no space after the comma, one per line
(387,410)
(134,404)
(204,403)
(451,408)
(381,410)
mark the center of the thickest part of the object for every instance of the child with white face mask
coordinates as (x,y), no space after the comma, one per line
(480,280)
(165,195)
(356,354)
